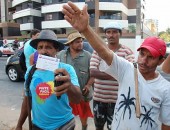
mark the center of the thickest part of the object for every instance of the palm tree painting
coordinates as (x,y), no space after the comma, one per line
(146,118)
(126,104)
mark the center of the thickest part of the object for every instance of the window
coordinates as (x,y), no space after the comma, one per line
(30,20)
(49,1)
(49,16)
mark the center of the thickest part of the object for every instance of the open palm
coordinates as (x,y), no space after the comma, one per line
(77,18)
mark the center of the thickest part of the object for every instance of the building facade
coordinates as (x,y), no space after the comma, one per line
(46,14)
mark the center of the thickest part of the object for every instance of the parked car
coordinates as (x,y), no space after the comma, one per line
(7,49)
(14,70)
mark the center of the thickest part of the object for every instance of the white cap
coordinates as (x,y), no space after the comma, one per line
(113,25)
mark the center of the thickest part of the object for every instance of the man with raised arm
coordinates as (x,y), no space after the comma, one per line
(153,89)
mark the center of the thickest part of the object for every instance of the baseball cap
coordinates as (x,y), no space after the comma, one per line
(155,45)
(113,25)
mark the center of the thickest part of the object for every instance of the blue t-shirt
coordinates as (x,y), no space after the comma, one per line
(48,112)
(28,50)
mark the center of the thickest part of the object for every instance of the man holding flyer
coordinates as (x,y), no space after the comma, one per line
(50,112)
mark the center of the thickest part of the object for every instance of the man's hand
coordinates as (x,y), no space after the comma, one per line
(77,18)
(59,90)
(86,90)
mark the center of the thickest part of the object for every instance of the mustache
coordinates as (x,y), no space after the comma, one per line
(142,64)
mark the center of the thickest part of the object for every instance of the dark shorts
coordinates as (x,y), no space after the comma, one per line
(103,112)
(68,126)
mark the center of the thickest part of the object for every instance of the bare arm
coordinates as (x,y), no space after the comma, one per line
(100,75)
(166,65)
(32,59)
(80,21)
(165,127)
(23,114)
(74,94)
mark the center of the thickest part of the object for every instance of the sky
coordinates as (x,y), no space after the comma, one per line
(160,10)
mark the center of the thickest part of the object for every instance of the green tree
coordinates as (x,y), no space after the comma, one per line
(168,30)
(132,29)
(165,37)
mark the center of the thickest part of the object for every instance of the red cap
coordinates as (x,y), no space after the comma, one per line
(155,45)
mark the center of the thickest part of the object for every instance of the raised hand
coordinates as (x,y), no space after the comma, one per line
(77,18)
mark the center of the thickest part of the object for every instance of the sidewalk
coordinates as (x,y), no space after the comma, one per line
(9,117)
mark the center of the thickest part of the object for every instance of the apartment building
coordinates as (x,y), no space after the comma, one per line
(7,26)
(46,14)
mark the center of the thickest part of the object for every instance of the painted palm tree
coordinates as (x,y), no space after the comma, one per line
(147,118)
(127,103)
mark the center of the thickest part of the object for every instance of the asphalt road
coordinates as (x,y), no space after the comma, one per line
(11,99)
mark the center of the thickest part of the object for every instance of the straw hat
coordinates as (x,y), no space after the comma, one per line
(73,36)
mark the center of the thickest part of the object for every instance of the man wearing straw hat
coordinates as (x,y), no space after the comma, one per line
(50,103)
(134,110)
(80,60)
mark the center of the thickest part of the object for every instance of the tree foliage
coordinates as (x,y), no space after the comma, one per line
(165,35)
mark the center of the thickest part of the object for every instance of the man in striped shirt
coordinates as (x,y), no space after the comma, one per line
(105,86)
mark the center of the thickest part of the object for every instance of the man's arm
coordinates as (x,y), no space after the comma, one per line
(100,75)
(80,21)
(23,114)
(32,59)
(165,127)
(166,65)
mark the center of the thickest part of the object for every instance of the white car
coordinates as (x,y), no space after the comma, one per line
(7,49)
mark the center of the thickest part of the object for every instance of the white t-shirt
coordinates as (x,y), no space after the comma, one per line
(154,98)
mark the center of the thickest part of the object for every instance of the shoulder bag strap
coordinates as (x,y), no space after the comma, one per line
(28,81)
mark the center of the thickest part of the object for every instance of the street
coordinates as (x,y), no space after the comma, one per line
(11,99)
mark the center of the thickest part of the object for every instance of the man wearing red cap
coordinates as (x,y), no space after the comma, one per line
(151,99)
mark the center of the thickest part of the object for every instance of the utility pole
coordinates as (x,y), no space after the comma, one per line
(138,26)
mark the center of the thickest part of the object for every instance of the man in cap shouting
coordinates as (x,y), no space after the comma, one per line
(80,60)
(48,111)
(134,110)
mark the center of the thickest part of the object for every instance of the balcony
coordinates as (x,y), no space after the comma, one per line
(110,1)
(17,2)
(55,24)
(26,26)
(27,12)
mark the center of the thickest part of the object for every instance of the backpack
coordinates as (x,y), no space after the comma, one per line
(22,60)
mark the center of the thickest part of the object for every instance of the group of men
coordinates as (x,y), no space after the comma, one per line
(126,95)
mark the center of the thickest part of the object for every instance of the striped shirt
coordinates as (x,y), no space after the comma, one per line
(106,90)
